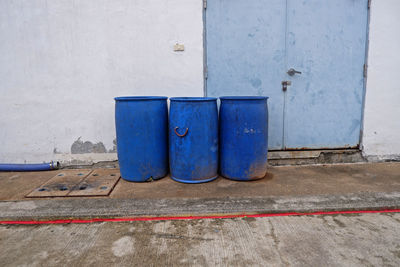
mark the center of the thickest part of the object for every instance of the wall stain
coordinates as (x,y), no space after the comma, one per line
(114,149)
(255,82)
(80,147)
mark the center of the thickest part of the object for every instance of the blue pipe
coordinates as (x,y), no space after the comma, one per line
(5,167)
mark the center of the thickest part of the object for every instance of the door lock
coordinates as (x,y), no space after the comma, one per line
(285,84)
(292,72)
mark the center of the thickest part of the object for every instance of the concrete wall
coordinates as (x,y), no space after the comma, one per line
(63,61)
(381,136)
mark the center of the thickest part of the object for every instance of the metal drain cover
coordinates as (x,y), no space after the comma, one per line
(78,183)
(98,183)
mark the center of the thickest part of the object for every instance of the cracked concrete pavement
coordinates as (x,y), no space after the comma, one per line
(329,240)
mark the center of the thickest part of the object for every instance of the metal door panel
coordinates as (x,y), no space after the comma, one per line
(246,54)
(326,41)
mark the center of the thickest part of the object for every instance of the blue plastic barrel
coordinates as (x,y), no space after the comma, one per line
(141,123)
(243,137)
(193,139)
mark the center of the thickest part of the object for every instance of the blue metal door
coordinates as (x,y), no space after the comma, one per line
(326,42)
(246,54)
(254,46)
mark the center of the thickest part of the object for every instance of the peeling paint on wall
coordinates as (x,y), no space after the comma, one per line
(80,147)
(114,149)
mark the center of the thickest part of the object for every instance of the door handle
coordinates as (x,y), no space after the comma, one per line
(292,72)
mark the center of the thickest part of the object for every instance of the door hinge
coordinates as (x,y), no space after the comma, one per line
(204,4)
(369,4)
(365,70)
(205,72)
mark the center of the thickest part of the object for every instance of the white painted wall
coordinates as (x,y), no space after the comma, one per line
(381,135)
(63,61)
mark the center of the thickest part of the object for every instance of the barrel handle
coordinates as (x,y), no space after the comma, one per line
(181,135)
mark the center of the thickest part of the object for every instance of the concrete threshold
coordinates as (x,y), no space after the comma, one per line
(275,158)
(337,187)
(306,157)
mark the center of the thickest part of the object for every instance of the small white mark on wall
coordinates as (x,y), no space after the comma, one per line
(179,47)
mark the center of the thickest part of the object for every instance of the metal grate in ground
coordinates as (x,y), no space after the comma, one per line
(78,183)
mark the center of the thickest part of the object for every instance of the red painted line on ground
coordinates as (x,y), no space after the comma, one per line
(169,218)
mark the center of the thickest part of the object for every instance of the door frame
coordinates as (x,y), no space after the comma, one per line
(205,70)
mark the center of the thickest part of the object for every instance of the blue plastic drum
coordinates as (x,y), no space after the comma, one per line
(141,123)
(243,129)
(193,139)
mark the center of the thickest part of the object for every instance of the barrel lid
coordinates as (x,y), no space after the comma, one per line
(139,98)
(193,99)
(244,97)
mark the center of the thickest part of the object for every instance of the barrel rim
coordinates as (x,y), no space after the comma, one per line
(139,98)
(192,99)
(243,97)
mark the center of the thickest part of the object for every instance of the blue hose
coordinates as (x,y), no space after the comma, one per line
(5,167)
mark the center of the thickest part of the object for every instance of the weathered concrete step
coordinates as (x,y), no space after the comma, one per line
(94,208)
(304,157)
(275,158)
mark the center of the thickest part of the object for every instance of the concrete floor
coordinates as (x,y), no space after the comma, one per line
(279,181)
(349,240)
(284,189)
(341,240)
